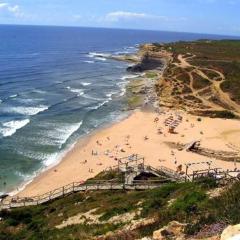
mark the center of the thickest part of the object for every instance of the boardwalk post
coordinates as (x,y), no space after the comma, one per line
(186,172)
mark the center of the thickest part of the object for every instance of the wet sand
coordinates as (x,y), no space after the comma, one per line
(138,134)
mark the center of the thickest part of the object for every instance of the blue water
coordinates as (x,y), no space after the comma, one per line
(54,89)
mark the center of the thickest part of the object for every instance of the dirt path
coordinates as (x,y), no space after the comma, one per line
(215,86)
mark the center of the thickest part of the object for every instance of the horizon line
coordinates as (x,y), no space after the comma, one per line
(112,28)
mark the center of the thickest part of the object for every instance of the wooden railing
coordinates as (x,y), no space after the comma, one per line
(109,185)
(171,173)
(77,187)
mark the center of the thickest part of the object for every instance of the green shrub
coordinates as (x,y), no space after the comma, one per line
(189,202)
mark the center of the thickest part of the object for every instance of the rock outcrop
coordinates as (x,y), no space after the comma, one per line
(147,63)
(174,230)
(231,233)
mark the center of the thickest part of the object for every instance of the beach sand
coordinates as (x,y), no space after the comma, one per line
(138,134)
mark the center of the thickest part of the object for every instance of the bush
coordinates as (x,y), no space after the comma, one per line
(189,203)
(18,216)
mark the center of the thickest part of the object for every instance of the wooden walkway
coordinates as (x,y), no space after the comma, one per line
(77,187)
(131,169)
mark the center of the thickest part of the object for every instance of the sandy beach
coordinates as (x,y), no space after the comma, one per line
(144,133)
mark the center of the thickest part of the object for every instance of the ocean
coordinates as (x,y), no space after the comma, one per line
(57,85)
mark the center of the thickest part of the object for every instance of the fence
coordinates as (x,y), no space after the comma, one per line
(78,187)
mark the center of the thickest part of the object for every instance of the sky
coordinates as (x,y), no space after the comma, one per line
(201,16)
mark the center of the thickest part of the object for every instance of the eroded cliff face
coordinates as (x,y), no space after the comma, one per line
(151,57)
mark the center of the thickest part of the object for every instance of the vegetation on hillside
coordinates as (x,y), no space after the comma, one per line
(185,202)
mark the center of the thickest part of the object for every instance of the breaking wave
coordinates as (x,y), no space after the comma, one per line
(85,83)
(30,111)
(9,128)
(89,61)
(99,56)
(79,92)
(61,134)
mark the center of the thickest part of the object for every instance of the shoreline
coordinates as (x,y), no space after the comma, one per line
(80,143)
(61,155)
(124,138)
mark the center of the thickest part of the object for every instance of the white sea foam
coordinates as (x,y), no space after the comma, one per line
(23,176)
(99,105)
(125,77)
(51,159)
(123,52)
(30,111)
(99,56)
(89,61)
(85,83)
(30,100)
(39,91)
(60,135)
(13,96)
(123,91)
(79,92)
(87,96)
(109,95)
(9,128)
(122,86)
(95,54)
(131,47)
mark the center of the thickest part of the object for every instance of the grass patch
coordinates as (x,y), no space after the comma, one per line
(151,74)
(113,175)
(135,101)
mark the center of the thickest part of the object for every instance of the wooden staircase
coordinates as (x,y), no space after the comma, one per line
(76,187)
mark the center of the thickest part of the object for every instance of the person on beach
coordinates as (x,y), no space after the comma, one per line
(179,168)
(156,120)
(94,153)
(160,131)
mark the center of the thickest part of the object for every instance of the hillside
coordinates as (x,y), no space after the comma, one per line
(204,206)
(202,77)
